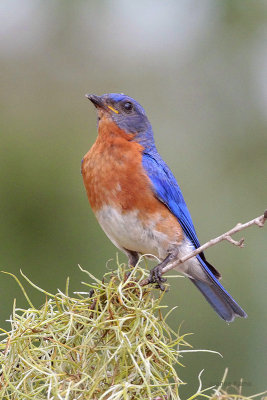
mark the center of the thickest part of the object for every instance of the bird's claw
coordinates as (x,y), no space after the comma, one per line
(155,276)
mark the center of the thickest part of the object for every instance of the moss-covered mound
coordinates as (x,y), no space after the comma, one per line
(111,342)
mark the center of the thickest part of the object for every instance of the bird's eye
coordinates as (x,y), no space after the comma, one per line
(128,106)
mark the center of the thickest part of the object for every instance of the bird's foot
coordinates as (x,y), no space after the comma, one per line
(155,276)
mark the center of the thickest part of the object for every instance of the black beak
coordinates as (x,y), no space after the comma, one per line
(96,100)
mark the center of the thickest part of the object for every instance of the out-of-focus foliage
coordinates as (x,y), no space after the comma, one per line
(199,69)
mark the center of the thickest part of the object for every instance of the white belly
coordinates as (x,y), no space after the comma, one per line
(126,231)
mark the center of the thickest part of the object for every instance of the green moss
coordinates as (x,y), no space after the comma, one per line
(113,345)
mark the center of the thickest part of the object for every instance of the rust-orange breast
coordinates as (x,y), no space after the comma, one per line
(113,175)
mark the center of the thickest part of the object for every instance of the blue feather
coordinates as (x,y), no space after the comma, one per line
(168,192)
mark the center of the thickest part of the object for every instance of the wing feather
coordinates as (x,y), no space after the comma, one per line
(167,190)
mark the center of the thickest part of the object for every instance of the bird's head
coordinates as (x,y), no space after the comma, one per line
(126,113)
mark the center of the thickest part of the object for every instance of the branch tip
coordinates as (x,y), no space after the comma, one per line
(260,221)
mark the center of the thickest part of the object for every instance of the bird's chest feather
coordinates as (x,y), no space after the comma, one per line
(113,174)
(122,198)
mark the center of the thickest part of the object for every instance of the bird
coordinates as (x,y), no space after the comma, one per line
(138,202)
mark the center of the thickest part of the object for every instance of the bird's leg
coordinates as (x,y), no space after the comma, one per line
(133,258)
(155,275)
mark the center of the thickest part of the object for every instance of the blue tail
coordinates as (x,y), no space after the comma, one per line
(224,305)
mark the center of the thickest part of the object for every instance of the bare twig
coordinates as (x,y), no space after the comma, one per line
(259,221)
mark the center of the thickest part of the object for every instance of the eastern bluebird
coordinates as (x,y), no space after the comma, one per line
(138,202)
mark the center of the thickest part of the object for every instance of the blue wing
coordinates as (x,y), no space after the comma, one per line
(168,192)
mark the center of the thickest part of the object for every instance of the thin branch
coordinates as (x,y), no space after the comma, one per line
(259,221)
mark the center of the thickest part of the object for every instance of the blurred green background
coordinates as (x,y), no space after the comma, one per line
(199,70)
